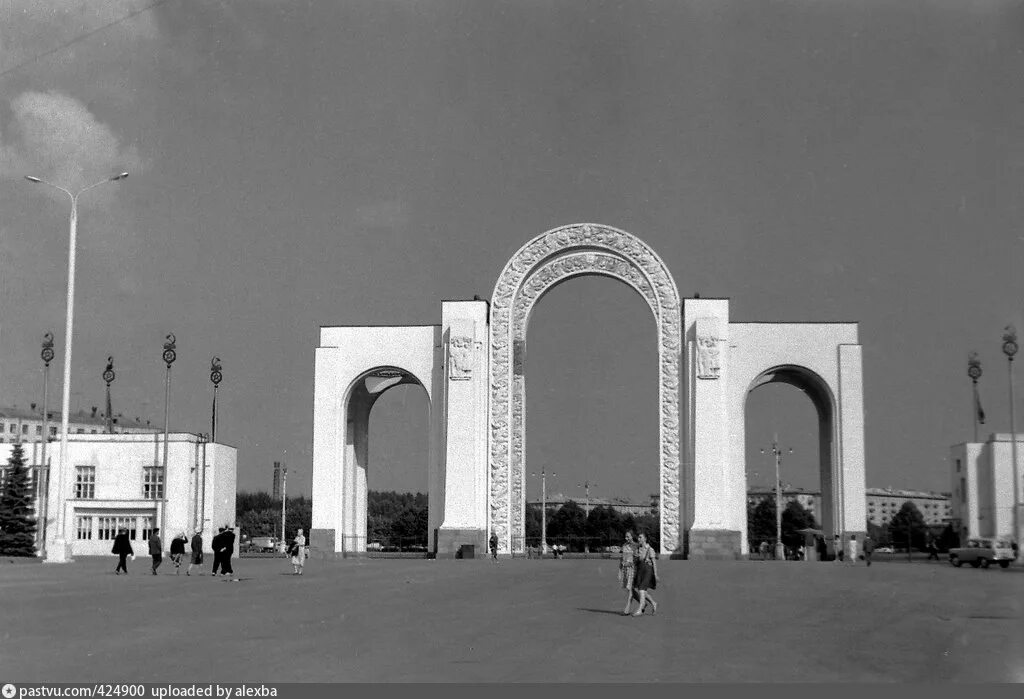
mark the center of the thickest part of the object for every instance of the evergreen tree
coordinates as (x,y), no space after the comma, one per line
(17,511)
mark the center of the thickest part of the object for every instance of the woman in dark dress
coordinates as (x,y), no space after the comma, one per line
(123,549)
(646,575)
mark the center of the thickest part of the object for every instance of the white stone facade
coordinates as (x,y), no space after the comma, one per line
(114,480)
(982,485)
(472,367)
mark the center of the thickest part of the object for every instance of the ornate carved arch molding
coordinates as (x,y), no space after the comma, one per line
(547,260)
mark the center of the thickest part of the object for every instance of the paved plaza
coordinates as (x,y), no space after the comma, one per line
(516,620)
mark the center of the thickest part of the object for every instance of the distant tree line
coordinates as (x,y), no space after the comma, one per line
(398,518)
(908,526)
(761,523)
(605,526)
(259,514)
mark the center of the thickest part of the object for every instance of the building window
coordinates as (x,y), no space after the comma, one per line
(963,490)
(958,465)
(80,430)
(24,429)
(147,528)
(92,431)
(106,529)
(53,431)
(153,483)
(12,428)
(84,527)
(39,429)
(85,482)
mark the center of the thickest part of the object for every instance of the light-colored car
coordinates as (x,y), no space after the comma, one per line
(983,552)
(884,549)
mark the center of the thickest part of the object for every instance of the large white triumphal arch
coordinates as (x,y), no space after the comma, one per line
(472,368)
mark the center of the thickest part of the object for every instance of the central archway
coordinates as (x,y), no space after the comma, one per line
(538,266)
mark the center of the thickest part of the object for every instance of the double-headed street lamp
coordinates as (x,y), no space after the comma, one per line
(58,552)
(780,550)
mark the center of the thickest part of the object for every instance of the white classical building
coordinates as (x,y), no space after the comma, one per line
(115,481)
(982,479)
(472,368)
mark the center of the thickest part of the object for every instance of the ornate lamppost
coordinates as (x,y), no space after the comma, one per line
(43,481)
(1010,348)
(170,354)
(108,377)
(974,371)
(59,552)
(215,378)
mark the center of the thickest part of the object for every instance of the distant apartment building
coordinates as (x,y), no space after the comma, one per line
(26,425)
(621,505)
(982,479)
(883,503)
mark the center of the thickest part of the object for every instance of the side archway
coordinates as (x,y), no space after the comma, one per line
(544,262)
(358,403)
(817,389)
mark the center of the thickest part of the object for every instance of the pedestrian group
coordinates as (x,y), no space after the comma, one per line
(638,574)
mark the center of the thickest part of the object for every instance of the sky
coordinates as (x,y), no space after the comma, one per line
(300,164)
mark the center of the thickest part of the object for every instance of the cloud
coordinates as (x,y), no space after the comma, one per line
(57,138)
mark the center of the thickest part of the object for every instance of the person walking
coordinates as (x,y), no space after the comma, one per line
(933,550)
(197,553)
(156,548)
(218,558)
(298,553)
(851,550)
(227,547)
(178,551)
(646,575)
(493,541)
(123,549)
(869,548)
(763,550)
(627,570)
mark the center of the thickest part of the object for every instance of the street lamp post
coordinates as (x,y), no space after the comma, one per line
(1010,348)
(974,371)
(780,550)
(170,354)
(215,377)
(586,509)
(58,552)
(43,482)
(543,510)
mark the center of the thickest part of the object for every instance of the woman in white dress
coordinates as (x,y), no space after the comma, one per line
(298,553)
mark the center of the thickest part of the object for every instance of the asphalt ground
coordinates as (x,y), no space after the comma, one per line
(511,621)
